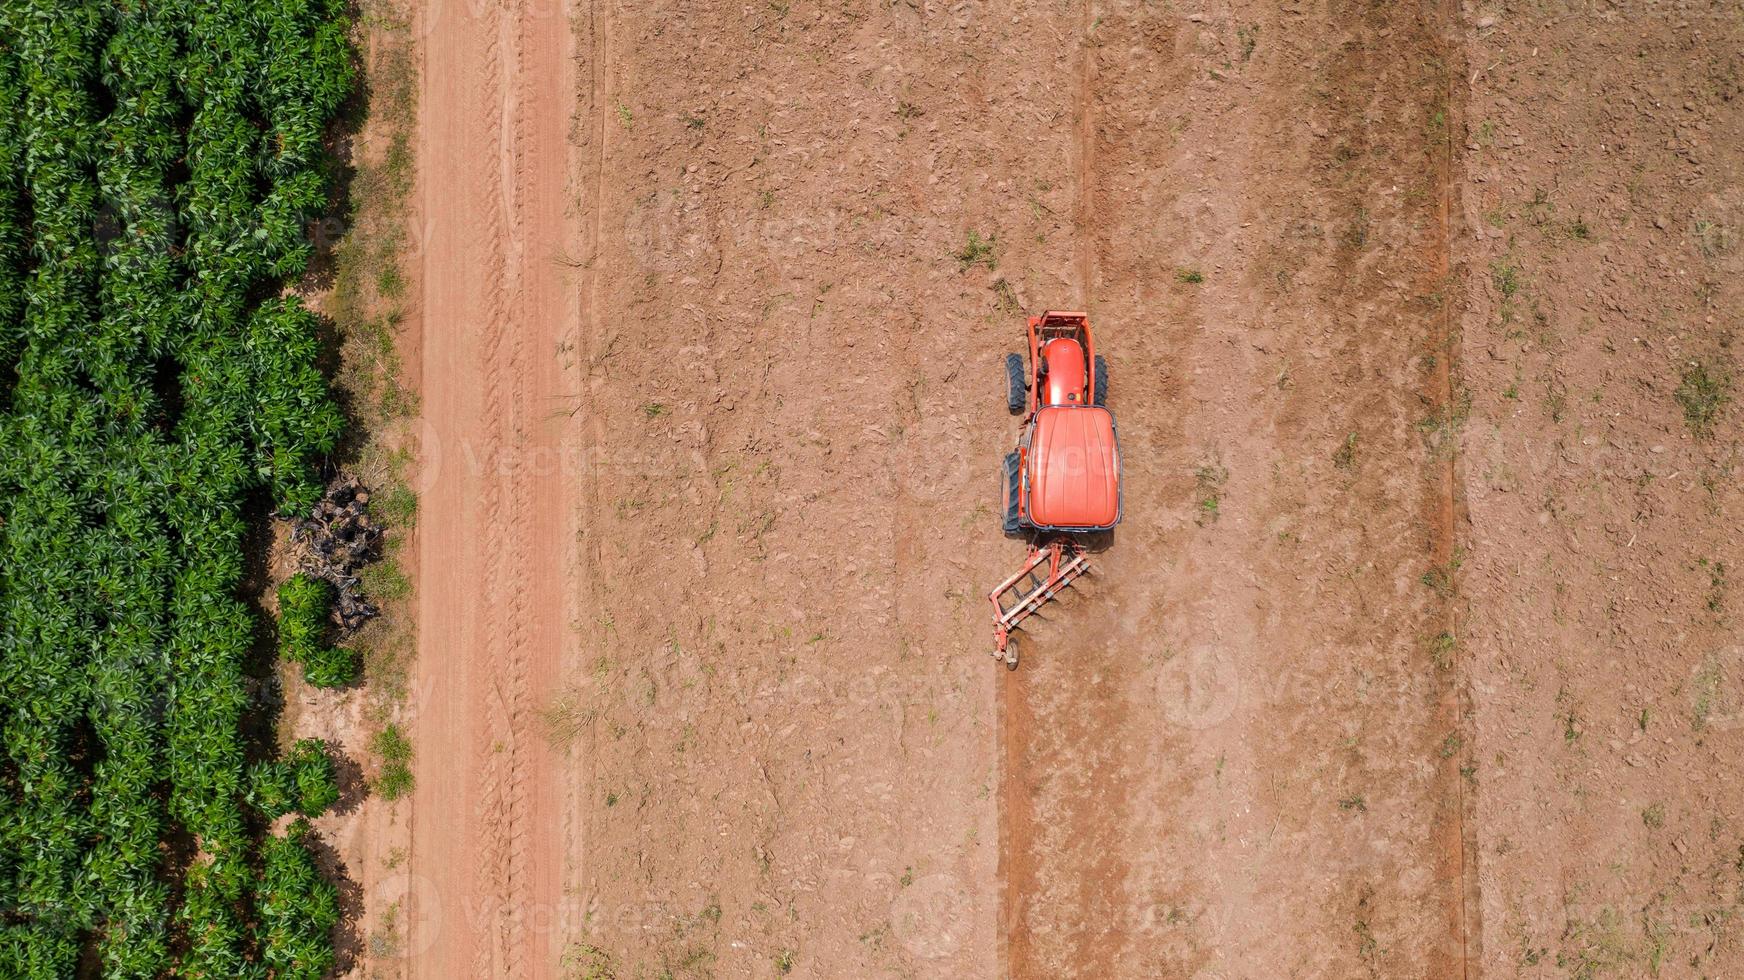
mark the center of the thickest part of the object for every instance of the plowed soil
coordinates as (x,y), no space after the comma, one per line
(1413,656)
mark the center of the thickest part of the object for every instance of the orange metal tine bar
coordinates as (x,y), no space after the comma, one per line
(1055,585)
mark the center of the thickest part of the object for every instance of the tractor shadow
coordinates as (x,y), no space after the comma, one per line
(1092,544)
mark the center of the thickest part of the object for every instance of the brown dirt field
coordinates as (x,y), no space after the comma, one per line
(713,411)
(1231,762)
(1603,161)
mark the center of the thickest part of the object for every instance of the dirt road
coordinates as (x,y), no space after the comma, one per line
(488,834)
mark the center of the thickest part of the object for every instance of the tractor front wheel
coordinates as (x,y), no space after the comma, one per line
(1017,384)
(1101,393)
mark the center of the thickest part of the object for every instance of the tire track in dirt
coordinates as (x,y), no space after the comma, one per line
(492,867)
(1456,839)
(1084,160)
(485,863)
(592,347)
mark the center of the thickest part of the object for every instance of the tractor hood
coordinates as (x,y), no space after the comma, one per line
(1074,470)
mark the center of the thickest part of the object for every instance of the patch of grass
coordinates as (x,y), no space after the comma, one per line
(976,516)
(1704,691)
(1556,400)
(1595,948)
(1704,392)
(1440,580)
(565,718)
(1367,947)
(653,410)
(395,505)
(366,305)
(1451,745)
(1441,650)
(1358,234)
(385,941)
(1654,816)
(1442,428)
(784,961)
(1209,480)
(385,580)
(1716,599)
(1540,208)
(1506,278)
(978,251)
(1006,295)
(394,751)
(1190,277)
(1578,230)
(585,961)
(1249,38)
(1571,727)
(1435,127)
(1713,238)
(1354,803)
(625,117)
(1344,457)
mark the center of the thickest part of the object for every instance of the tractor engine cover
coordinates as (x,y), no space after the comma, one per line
(1064,380)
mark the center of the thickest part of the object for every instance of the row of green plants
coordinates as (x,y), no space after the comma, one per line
(158,166)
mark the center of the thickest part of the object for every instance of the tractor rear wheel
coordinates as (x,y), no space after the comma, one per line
(1017,384)
(1101,393)
(1011,486)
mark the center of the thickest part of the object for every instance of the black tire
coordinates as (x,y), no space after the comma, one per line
(1101,394)
(1009,489)
(1017,384)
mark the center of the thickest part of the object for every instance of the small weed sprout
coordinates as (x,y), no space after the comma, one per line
(1209,479)
(395,752)
(1703,395)
(1344,458)
(978,251)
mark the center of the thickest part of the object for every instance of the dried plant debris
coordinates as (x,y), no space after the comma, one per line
(334,543)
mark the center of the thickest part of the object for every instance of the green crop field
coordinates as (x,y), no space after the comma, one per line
(159,165)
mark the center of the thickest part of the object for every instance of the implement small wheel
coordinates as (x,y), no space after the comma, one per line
(1010,653)
(1101,394)
(1017,384)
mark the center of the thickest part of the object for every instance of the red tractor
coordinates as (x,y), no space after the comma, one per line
(1062,482)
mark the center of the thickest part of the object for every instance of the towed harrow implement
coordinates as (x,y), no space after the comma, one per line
(1050,569)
